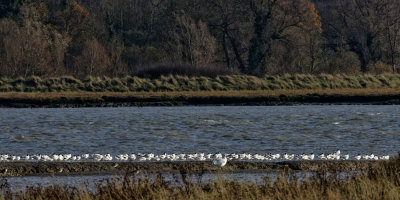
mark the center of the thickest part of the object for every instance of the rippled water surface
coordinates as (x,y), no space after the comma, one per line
(284,129)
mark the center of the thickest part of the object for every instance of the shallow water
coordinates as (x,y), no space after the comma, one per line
(90,182)
(283,129)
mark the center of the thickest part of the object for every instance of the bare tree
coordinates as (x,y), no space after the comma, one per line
(368,28)
(94,60)
(279,27)
(26,48)
(229,22)
(193,42)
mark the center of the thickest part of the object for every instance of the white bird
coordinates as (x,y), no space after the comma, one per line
(259,157)
(142,159)
(303,157)
(372,157)
(67,156)
(107,157)
(358,157)
(337,154)
(26,157)
(202,157)
(220,161)
(384,157)
(119,157)
(235,156)
(45,158)
(132,157)
(276,156)
(97,157)
(286,156)
(150,156)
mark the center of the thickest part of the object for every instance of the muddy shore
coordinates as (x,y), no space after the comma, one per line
(238,98)
(88,168)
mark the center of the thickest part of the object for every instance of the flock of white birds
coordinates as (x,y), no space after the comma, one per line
(216,158)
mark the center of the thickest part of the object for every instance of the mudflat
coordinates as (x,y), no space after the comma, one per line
(89,168)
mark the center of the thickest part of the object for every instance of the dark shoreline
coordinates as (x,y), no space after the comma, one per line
(16,169)
(132,101)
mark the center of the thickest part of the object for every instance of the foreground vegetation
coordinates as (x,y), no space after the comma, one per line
(379,182)
(185,83)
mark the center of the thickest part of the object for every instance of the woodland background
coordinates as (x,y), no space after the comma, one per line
(116,38)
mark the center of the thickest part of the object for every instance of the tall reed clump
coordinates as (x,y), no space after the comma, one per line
(379,182)
(199,83)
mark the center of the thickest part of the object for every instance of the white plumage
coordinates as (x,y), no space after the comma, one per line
(220,161)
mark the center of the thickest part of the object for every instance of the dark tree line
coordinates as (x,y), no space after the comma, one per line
(257,37)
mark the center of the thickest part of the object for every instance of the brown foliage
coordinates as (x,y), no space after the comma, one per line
(94,60)
(379,68)
(258,37)
(26,48)
(192,42)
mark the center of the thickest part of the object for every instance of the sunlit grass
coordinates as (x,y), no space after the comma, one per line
(188,94)
(185,83)
(178,90)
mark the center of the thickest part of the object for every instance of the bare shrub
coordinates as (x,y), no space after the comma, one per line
(156,71)
(379,68)
(94,60)
(192,42)
(346,62)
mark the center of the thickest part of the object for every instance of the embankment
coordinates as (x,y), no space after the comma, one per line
(181,90)
(265,97)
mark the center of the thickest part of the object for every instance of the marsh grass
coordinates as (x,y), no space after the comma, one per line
(379,182)
(185,90)
(168,83)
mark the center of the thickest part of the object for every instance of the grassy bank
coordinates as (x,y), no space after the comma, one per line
(246,97)
(181,90)
(379,182)
(184,83)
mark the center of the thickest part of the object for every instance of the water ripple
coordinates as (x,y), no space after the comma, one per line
(292,129)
